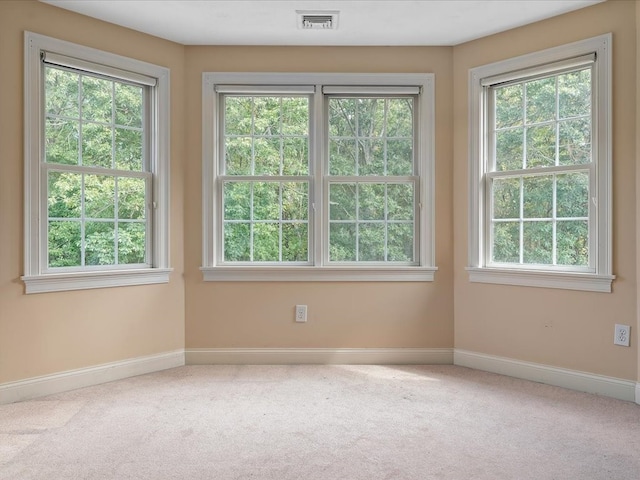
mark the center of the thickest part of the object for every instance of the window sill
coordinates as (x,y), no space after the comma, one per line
(318,274)
(587,282)
(58,282)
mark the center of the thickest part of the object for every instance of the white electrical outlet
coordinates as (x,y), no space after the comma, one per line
(621,336)
(301,313)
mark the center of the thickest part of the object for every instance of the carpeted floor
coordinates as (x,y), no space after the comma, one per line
(320,422)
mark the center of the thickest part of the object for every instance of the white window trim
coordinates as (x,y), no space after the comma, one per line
(34,264)
(425,269)
(601,279)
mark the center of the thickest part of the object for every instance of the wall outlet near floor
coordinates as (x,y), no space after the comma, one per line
(301,313)
(621,336)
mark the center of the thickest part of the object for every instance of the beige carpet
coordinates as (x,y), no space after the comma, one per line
(320,422)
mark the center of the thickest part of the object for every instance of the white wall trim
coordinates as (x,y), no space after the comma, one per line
(560,377)
(638,393)
(85,377)
(290,356)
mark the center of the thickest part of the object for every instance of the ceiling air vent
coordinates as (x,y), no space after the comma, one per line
(318,20)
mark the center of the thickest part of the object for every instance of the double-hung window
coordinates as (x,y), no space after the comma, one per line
(540,169)
(96,169)
(318,177)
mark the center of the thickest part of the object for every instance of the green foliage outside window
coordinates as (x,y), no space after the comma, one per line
(542,217)
(94,125)
(265,215)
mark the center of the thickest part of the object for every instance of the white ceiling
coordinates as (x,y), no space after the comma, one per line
(360,22)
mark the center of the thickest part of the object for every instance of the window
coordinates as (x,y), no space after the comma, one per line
(540,169)
(96,168)
(318,177)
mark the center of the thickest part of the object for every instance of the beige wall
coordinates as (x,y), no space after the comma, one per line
(637,130)
(47,333)
(340,314)
(555,327)
(53,332)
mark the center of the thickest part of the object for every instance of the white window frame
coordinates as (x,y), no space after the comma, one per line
(38,278)
(318,268)
(598,277)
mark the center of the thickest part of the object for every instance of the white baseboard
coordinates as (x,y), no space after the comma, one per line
(290,356)
(560,377)
(85,377)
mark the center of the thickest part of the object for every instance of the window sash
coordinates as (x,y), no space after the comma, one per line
(82,69)
(492,174)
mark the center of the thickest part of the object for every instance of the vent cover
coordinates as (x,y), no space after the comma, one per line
(317,20)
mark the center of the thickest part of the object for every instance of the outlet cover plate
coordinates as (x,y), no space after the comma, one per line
(621,335)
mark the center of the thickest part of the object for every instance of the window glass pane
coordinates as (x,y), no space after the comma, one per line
(342,201)
(342,117)
(238,156)
(96,145)
(266,201)
(295,242)
(509,149)
(64,244)
(64,195)
(400,242)
(371,157)
(266,116)
(99,243)
(237,242)
(61,93)
(295,197)
(371,242)
(506,198)
(342,157)
(129,105)
(574,92)
(99,196)
(370,115)
(295,156)
(541,146)
(572,195)
(575,142)
(295,116)
(400,202)
(509,106)
(400,117)
(267,156)
(573,243)
(131,198)
(537,242)
(537,197)
(237,201)
(541,100)
(266,239)
(61,141)
(342,242)
(371,201)
(97,99)
(400,157)
(131,242)
(128,145)
(238,115)
(506,242)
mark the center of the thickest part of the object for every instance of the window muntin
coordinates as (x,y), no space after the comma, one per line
(541,171)
(371,138)
(265,181)
(96,171)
